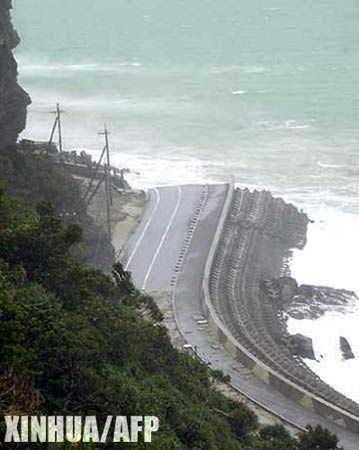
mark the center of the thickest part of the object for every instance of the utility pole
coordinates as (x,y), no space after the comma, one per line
(108,204)
(58,125)
(107,147)
(107,181)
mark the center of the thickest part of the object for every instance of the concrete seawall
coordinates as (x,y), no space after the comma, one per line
(245,339)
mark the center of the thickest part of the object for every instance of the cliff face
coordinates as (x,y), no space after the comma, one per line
(13,99)
(34,179)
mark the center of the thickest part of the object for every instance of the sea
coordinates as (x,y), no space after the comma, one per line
(199,91)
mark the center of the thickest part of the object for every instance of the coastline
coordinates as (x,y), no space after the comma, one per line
(316,265)
(239,271)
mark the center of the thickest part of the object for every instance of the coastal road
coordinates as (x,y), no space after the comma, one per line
(153,251)
(152,255)
(188,310)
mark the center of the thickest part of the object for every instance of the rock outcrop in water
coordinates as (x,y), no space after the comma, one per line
(305,301)
(312,302)
(13,99)
(280,290)
(302,346)
(346,349)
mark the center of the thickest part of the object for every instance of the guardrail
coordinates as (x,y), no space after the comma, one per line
(245,357)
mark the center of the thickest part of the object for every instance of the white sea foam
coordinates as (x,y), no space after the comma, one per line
(331,253)
(328,166)
(330,259)
(285,125)
(239,92)
(295,125)
(148,172)
(326,332)
(227,69)
(255,69)
(45,68)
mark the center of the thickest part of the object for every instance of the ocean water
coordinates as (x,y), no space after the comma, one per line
(329,364)
(200,90)
(265,90)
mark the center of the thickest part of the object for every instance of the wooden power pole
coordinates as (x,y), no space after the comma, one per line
(108,181)
(107,147)
(58,126)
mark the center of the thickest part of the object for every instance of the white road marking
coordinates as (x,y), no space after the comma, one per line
(163,237)
(140,239)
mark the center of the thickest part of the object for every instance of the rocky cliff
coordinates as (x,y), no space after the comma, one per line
(13,99)
(33,178)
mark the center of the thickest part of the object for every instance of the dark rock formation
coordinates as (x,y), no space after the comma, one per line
(280,290)
(305,301)
(302,346)
(312,302)
(13,99)
(346,349)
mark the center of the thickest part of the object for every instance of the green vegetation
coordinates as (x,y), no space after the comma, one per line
(33,178)
(73,342)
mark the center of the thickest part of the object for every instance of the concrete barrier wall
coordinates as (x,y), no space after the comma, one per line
(241,354)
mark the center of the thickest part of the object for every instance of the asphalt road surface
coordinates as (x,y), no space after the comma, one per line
(152,254)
